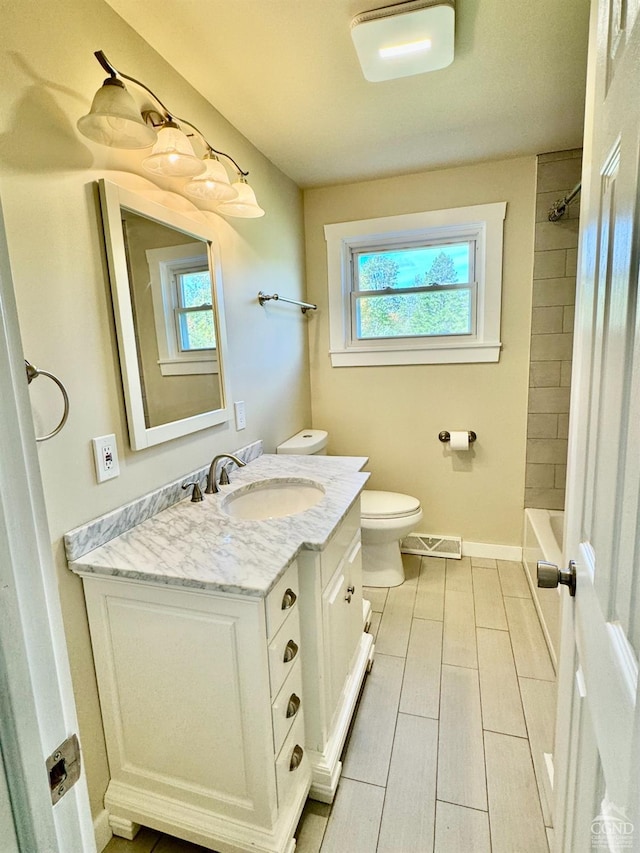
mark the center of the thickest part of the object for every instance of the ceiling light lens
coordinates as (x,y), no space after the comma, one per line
(404,49)
(245,206)
(114,119)
(213,184)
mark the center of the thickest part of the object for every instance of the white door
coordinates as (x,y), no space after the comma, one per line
(37,711)
(597,755)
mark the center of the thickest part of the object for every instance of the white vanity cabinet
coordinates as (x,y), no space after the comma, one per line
(336,653)
(203,708)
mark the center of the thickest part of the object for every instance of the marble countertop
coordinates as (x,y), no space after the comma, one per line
(198,545)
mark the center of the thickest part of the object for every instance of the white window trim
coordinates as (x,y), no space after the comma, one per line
(171,359)
(484,219)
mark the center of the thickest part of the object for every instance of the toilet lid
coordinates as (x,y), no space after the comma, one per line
(387,504)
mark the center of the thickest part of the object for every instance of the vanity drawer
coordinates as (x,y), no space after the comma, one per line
(287,706)
(284,651)
(339,542)
(292,764)
(282,599)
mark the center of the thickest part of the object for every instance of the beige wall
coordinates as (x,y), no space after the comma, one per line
(49,76)
(394,414)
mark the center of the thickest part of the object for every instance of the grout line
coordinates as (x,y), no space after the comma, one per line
(469,808)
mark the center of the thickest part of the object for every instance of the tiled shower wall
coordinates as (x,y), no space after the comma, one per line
(554,287)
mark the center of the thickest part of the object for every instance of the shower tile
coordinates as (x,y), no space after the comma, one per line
(549,264)
(513,579)
(544,498)
(375,723)
(430,596)
(539,701)
(461,771)
(543,425)
(544,374)
(549,400)
(514,809)
(487,596)
(412,780)
(560,476)
(459,639)
(565,374)
(529,648)
(547,450)
(551,347)
(421,684)
(539,476)
(559,290)
(560,155)
(571,268)
(563,426)
(354,800)
(499,691)
(560,176)
(568,318)
(547,320)
(556,235)
(459,828)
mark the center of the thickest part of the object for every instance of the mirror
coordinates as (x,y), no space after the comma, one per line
(166,286)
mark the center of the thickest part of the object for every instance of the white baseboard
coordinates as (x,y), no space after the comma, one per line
(102,830)
(490,551)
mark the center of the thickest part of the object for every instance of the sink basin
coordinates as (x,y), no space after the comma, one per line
(273,498)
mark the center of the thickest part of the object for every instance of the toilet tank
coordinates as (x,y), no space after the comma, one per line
(307,442)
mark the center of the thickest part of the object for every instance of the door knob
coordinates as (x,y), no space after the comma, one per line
(549,576)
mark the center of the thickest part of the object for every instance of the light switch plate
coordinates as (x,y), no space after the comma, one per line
(241,419)
(105,454)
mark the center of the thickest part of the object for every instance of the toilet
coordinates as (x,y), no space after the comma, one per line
(385,517)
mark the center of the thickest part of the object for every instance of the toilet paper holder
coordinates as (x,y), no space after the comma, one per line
(445,435)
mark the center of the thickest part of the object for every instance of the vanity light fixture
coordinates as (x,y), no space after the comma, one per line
(404,39)
(115,120)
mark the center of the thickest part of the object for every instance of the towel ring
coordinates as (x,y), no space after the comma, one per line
(32,373)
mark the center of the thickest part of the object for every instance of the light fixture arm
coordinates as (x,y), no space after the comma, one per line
(148,115)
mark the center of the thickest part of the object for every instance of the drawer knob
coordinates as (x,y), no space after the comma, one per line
(350,590)
(293,705)
(289,599)
(291,650)
(296,757)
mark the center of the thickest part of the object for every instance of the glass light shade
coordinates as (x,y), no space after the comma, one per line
(172,155)
(213,184)
(115,120)
(244,206)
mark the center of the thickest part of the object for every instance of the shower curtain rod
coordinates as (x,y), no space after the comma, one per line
(559,208)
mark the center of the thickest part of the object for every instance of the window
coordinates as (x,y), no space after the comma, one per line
(183,309)
(416,289)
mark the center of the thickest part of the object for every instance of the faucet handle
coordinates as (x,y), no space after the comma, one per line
(224,476)
(196,494)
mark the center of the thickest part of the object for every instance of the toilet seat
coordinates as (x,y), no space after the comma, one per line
(387,505)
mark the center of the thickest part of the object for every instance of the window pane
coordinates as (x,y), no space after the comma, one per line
(445,312)
(195,288)
(197,331)
(424,265)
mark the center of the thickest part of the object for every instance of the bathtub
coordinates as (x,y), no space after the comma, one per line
(542,540)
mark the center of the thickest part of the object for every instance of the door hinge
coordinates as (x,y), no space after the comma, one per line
(63,768)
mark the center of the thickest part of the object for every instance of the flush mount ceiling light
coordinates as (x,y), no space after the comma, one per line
(115,120)
(404,39)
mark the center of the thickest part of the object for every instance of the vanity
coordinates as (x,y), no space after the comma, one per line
(230,652)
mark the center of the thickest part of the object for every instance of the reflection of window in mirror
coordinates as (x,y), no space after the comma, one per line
(183,309)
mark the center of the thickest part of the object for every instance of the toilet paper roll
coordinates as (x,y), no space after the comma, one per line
(459,440)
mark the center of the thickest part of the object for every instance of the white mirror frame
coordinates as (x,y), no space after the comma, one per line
(113,198)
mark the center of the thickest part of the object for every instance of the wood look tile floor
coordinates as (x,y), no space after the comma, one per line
(446,751)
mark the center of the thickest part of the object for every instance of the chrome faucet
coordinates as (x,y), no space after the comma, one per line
(212,486)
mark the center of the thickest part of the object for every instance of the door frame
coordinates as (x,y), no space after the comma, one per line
(37,708)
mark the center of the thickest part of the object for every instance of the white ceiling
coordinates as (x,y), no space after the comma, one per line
(285,73)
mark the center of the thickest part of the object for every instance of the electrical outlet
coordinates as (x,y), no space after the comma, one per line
(105,454)
(241,419)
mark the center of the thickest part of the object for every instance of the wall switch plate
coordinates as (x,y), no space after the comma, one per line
(105,454)
(241,419)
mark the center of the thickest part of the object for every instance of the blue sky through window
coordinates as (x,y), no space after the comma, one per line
(416,262)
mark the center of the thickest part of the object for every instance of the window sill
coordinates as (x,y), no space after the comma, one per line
(184,366)
(444,354)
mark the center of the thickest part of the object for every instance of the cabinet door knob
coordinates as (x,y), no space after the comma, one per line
(291,650)
(289,599)
(296,757)
(293,705)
